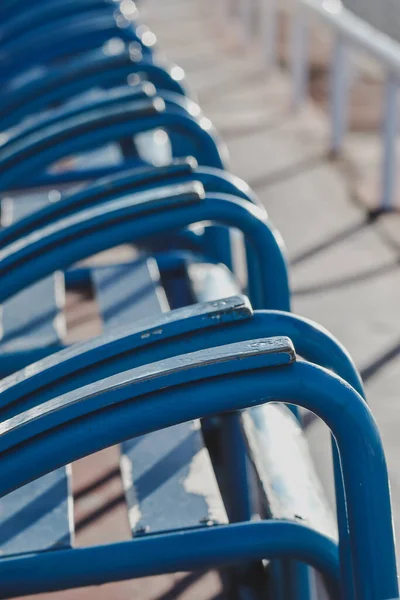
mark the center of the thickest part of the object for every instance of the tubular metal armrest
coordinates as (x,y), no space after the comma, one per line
(103,68)
(138,92)
(29,154)
(108,100)
(188,329)
(142,216)
(129,181)
(45,44)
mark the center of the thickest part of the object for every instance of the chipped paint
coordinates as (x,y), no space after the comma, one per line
(290,484)
(201,481)
(134,513)
(135,516)
(126,471)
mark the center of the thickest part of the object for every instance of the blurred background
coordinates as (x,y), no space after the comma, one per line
(383,14)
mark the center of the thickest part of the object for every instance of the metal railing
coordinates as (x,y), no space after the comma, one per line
(350,32)
(382,14)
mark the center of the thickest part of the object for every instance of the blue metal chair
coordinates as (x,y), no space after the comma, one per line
(267,371)
(139,217)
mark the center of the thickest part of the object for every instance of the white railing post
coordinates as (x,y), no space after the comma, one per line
(269,32)
(339,93)
(390,129)
(299,57)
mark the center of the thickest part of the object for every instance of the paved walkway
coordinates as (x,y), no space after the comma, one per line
(345,271)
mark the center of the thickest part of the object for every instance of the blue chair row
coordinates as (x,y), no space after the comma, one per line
(187,368)
(30,37)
